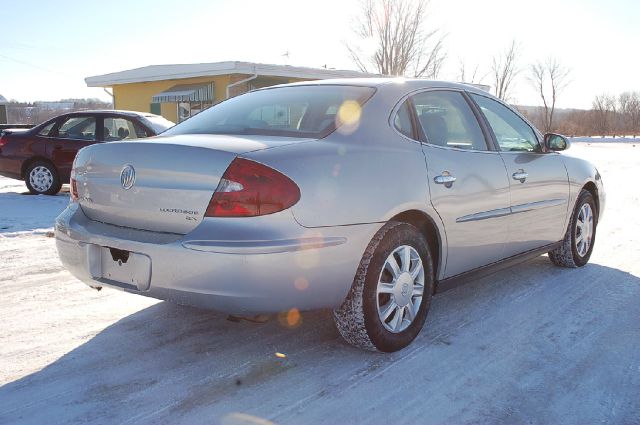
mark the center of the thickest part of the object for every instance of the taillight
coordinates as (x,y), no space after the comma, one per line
(249,189)
(73,183)
(74,190)
(3,141)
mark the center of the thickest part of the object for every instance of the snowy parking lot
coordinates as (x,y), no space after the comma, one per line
(533,344)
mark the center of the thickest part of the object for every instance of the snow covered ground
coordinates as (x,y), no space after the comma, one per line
(535,344)
(21,213)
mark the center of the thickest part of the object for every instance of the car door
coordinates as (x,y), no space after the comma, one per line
(72,134)
(539,183)
(467,181)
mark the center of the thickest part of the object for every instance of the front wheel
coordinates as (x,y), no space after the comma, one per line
(578,242)
(42,178)
(391,292)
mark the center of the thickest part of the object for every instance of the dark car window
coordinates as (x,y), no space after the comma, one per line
(117,128)
(447,120)
(511,131)
(79,128)
(46,130)
(402,120)
(298,111)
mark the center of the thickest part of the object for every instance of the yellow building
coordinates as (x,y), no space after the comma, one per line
(178,91)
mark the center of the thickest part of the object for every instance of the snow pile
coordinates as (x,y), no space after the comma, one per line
(606,139)
(22,213)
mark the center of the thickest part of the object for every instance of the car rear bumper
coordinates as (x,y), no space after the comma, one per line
(10,167)
(272,264)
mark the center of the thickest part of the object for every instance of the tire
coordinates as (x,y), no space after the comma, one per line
(573,252)
(360,317)
(42,178)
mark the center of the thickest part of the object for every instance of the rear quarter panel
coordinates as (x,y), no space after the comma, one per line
(18,149)
(343,183)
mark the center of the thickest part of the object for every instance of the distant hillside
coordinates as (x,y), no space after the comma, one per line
(36,112)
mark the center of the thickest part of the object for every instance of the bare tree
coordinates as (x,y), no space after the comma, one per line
(604,112)
(549,78)
(472,77)
(504,69)
(624,114)
(629,113)
(404,45)
(633,109)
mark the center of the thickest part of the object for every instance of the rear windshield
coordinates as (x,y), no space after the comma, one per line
(158,123)
(295,111)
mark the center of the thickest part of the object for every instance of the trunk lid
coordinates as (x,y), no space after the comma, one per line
(171,179)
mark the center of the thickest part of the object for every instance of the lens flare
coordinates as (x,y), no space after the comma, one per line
(301,284)
(290,319)
(348,117)
(336,170)
(309,258)
(238,418)
(294,318)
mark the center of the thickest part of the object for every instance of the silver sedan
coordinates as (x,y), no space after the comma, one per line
(365,196)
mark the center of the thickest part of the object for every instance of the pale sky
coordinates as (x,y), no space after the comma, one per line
(47,48)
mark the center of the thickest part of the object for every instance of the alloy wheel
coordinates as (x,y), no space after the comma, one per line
(584,230)
(400,289)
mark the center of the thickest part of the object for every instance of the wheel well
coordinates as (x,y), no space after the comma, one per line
(428,228)
(28,162)
(591,187)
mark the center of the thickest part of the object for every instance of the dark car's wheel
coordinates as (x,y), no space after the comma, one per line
(391,292)
(578,242)
(42,178)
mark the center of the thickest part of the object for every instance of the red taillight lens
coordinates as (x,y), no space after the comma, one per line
(249,189)
(3,141)
(74,189)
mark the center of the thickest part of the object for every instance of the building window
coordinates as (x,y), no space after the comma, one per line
(189,109)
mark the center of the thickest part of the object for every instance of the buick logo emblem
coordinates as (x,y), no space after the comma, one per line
(127,177)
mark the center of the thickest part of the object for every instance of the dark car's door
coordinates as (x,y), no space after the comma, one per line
(70,135)
(467,181)
(538,180)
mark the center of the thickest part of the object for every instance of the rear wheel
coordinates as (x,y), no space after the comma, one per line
(578,242)
(391,292)
(42,178)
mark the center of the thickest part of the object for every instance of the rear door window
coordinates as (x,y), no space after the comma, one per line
(402,121)
(46,130)
(448,121)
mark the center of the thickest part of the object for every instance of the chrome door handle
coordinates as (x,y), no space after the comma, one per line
(445,178)
(520,175)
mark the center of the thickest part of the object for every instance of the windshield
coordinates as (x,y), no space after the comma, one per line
(293,111)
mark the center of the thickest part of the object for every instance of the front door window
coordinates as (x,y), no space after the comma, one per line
(512,133)
(121,129)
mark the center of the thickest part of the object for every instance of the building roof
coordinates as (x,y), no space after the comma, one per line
(177,71)
(3,99)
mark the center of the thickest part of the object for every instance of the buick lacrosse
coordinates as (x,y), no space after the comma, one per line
(366,196)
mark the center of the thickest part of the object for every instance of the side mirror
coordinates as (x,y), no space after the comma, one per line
(556,142)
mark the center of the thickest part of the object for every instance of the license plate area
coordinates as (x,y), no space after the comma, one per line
(114,266)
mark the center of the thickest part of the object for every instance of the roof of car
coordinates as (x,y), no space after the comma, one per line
(399,82)
(111,112)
